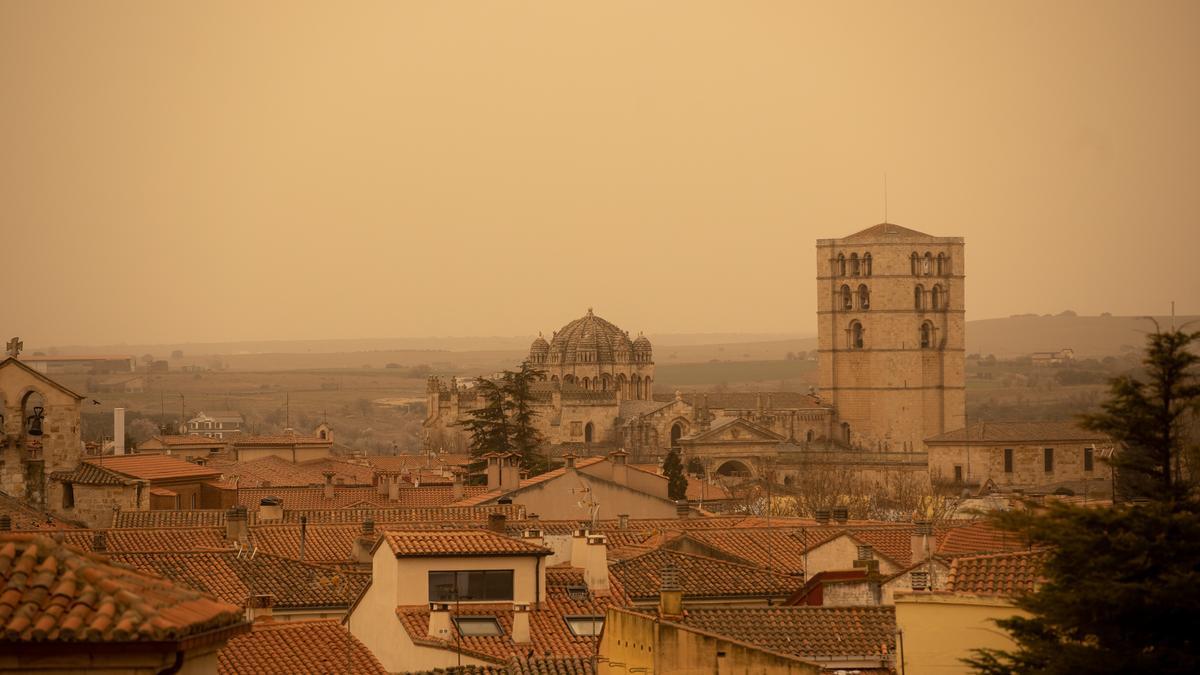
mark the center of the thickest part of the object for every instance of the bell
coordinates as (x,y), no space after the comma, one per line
(35,421)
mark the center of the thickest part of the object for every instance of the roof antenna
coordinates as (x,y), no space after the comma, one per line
(885,198)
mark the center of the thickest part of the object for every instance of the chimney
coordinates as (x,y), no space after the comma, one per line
(235,524)
(99,542)
(922,531)
(393,488)
(439,621)
(534,535)
(682,510)
(380,479)
(620,466)
(569,458)
(493,471)
(520,624)
(822,516)
(841,515)
(328,484)
(259,607)
(5,522)
(510,472)
(118,431)
(623,521)
(670,595)
(270,509)
(456,487)
(363,543)
(578,551)
(595,565)
(497,523)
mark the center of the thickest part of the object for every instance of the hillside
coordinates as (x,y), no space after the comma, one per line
(1089,336)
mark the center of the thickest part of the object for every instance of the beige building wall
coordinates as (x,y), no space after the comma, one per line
(560,499)
(938,630)
(979,463)
(77,658)
(840,554)
(892,392)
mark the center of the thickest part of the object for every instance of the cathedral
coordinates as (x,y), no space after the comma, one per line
(890,318)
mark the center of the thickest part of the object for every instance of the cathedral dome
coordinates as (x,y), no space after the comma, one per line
(592,335)
(641,344)
(539,346)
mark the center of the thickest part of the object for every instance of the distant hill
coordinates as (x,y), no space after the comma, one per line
(1089,336)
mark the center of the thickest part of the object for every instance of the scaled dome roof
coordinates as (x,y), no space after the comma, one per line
(590,333)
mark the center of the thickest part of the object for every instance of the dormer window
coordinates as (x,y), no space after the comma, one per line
(584,626)
(477,626)
(471,586)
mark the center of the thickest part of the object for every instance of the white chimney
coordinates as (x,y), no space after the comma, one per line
(439,621)
(118,431)
(520,624)
(595,564)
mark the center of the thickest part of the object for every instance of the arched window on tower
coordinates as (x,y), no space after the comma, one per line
(945,299)
(864,297)
(866,264)
(941,264)
(856,335)
(841,265)
(847,299)
(919,298)
(926,335)
(915,264)
(927,264)
(855,270)
(935,297)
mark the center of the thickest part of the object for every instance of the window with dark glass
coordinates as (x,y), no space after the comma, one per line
(1048,459)
(958,473)
(847,299)
(1008,460)
(470,585)
(68,500)
(1088,459)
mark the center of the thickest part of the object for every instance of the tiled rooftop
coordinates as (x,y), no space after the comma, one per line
(318,647)
(1018,432)
(151,539)
(278,440)
(56,593)
(22,516)
(190,440)
(380,514)
(276,471)
(700,577)
(458,543)
(113,470)
(483,497)
(345,497)
(1006,574)
(816,633)
(234,577)
(979,536)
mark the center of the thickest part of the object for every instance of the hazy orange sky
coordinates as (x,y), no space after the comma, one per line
(203,171)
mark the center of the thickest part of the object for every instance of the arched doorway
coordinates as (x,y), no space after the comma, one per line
(676,434)
(588,430)
(734,468)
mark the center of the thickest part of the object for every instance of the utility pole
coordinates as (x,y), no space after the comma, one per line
(182,414)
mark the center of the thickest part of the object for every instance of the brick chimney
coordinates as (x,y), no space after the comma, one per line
(670,594)
(270,509)
(821,516)
(235,524)
(841,515)
(578,554)
(439,621)
(364,542)
(393,488)
(493,471)
(498,523)
(259,607)
(520,624)
(380,478)
(328,484)
(595,564)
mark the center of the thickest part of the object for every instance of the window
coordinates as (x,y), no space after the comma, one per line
(866,264)
(941,264)
(193,501)
(855,269)
(926,335)
(1048,457)
(581,626)
(1089,460)
(958,473)
(914,263)
(927,264)
(68,496)
(471,626)
(856,335)
(864,297)
(1008,460)
(847,298)
(470,585)
(576,428)
(920,580)
(919,298)
(841,264)
(935,298)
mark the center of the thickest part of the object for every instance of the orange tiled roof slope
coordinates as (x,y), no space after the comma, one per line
(190,439)
(521,665)
(979,536)
(1018,432)
(700,577)
(146,539)
(22,516)
(809,632)
(286,439)
(118,470)
(380,514)
(548,631)
(409,543)
(234,578)
(276,471)
(56,593)
(527,482)
(345,497)
(1008,574)
(316,647)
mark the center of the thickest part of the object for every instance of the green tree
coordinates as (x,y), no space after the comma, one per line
(677,483)
(487,425)
(1151,419)
(506,420)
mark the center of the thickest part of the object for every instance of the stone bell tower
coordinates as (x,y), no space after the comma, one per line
(39,431)
(890,322)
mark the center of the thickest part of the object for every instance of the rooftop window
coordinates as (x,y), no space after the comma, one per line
(583,626)
(473,626)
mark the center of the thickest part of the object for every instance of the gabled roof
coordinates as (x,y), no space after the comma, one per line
(749,400)
(1018,432)
(58,594)
(979,536)
(188,440)
(485,497)
(1007,574)
(758,432)
(887,231)
(817,633)
(140,467)
(700,577)
(16,363)
(458,543)
(292,647)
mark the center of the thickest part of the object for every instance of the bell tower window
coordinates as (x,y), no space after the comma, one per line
(847,298)
(927,335)
(856,335)
(919,298)
(866,262)
(855,269)
(864,297)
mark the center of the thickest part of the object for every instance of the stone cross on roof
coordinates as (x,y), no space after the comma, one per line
(15,346)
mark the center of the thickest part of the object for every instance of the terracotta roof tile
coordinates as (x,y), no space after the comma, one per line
(1006,574)
(701,577)
(140,467)
(818,633)
(276,471)
(979,536)
(483,497)
(345,497)
(405,543)
(22,516)
(1018,432)
(315,647)
(380,514)
(233,578)
(56,593)
(279,439)
(190,439)
(148,539)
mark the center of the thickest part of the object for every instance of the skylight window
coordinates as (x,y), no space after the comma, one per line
(583,626)
(478,626)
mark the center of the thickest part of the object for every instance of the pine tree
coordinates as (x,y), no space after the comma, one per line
(487,425)
(677,483)
(524,437)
